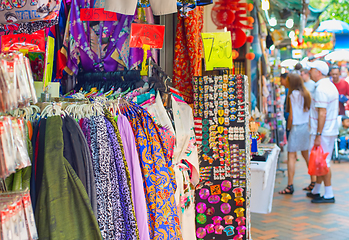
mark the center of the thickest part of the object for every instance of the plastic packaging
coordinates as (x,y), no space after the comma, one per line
(317,162)
(16,82)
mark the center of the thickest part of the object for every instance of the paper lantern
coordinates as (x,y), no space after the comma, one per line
(250,56)
(249,7)
(235,54)
(238,37)
(249,39)
(250,20)
(222,15)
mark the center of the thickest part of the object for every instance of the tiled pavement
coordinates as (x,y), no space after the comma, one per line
(295,217)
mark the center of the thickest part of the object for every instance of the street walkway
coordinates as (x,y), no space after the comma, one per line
(295,217)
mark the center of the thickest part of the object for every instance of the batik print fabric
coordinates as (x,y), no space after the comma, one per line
(158,175)
(188,51)
(124,184)
(132,158)
(185,158)
(109,211)
(29,27)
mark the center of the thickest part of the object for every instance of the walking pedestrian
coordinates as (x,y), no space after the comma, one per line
(308,83)
(323,125)
(298,106)
(342,87)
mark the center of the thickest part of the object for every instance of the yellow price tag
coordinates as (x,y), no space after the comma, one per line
(50,52)
(218,50)
(144,71)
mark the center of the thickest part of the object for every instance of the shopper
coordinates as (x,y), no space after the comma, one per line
(323,125)
(342,87)
(298,106)
(344,135)
(308,83)
(284,82)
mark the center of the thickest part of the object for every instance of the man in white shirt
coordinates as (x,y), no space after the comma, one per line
(308,83)
(323,124)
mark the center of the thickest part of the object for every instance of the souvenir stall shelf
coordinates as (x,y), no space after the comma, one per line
(17,89)
(221,118)
(275,116)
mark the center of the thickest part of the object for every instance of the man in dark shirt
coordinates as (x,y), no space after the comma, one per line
(342,87)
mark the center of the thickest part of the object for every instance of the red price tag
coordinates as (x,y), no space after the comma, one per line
(97,14)
(31,42)
(152,35)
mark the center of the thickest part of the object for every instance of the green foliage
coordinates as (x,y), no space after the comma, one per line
(319,4)
(338,9)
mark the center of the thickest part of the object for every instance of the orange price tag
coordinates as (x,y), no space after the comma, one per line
(97,14)
(147,34)
(23,42)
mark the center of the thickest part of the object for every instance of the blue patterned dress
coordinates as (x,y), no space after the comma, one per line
(158,175)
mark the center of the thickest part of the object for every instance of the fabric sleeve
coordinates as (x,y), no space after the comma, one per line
(320,99)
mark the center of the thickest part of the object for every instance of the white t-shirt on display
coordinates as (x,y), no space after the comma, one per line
(299,116)
(325,96)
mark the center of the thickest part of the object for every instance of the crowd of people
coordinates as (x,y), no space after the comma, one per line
(316,96)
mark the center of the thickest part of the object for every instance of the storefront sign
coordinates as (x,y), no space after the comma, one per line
(217,50)
(97,14)
(26,42)
(147,34)
(313,40)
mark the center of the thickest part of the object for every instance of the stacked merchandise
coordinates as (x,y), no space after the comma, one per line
(16,82)
(17,218)
(13,146)
(16,88)
(222,205)
(275,117)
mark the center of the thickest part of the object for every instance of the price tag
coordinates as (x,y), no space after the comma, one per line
(218,50)
(147,34)
(23,42)
(97,14)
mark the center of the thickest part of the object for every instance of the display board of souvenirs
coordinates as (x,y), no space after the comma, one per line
(221,124)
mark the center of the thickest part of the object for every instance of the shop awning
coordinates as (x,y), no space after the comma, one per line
(342,41)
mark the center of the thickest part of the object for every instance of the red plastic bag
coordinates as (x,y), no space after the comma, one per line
(317,162)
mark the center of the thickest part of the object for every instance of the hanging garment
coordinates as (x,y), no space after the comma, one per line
(203,2)
(63,207)
(29,27)
(132,159)
(98,48)
(124,183)
(40,156)
(160,7)
(160,116)
(28,11)
(109,211)
(127,7)
(188,51)
(77,153)
(185,159)
(158,175)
